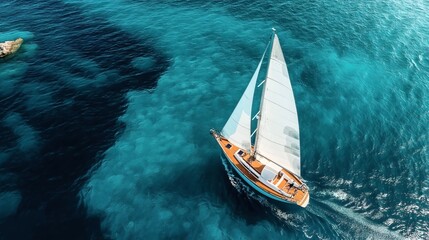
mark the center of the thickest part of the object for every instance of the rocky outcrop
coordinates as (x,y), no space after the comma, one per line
(10,47)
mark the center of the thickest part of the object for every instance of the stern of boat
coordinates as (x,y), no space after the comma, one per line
(305,201)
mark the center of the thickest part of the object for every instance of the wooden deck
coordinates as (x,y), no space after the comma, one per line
(299,195)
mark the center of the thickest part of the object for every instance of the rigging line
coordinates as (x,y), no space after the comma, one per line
(253,133)
(238,123)
(288,147)
(280,83)
(280,106)
(256,115)
(277,60)
(270,45)
(265,51)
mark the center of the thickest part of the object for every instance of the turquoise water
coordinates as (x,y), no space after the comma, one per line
(359,70)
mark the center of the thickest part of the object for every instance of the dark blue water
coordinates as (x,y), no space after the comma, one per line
(60,115)
(105,109)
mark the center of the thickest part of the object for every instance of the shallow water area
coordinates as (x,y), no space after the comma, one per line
(149,168)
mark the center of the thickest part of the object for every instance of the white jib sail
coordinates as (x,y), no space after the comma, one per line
(237,128)
(278,131)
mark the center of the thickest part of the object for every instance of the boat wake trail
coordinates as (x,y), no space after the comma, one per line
(350,223)
(321,219)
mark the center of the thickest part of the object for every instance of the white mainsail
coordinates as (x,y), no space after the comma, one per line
(277,138)
(237,128)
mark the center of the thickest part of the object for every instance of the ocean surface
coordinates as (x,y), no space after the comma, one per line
(105,112)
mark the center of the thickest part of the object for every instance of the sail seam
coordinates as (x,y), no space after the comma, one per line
(281,144)
(239,123)
(279,83)
(278,60)
(294,139)
(280,106)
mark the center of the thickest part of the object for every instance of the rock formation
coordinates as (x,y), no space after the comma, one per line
(10,47)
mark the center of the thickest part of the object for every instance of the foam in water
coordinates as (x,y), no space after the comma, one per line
(360,225)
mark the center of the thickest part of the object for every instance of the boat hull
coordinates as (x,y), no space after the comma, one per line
(279,189)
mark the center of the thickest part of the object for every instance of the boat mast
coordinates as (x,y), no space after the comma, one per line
(253,153)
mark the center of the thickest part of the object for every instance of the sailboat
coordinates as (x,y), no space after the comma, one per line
(271,165)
